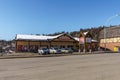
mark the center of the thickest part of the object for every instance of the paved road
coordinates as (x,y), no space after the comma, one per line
(75,67)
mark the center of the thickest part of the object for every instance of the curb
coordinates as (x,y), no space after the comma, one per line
(50,55)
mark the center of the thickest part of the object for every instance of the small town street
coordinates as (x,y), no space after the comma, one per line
(74,67)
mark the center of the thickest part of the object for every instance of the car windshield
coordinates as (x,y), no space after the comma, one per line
(44,48)
(56,48)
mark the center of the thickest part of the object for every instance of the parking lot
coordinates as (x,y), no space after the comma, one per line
(74,67)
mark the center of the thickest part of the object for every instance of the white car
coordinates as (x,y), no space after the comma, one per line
(43,51)
(52,50)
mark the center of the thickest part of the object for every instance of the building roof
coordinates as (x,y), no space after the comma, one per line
(38,37)
(85,33)
(41,37)
(110,32)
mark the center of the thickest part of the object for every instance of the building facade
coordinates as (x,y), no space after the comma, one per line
(110,38)
(31,43)
(86,42)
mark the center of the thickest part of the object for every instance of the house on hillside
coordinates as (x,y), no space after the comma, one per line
(7,45)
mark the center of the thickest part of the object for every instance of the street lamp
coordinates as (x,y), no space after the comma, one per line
(110,18)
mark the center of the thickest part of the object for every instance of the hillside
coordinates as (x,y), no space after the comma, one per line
(94,31)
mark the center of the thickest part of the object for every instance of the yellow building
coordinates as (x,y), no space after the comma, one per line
(110,38)
(31,43)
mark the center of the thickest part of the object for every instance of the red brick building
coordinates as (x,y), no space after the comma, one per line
(110,38)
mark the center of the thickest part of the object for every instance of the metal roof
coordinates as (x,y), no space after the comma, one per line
(38,37)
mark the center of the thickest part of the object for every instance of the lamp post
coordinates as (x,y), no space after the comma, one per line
(110,18)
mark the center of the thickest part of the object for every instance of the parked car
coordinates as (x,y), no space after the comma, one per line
(52,51)
(43,51)
(58,50)
(66,50)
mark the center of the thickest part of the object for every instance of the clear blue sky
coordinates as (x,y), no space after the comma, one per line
(49,16)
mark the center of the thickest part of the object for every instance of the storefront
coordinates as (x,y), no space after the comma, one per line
(31,43)
(86,42)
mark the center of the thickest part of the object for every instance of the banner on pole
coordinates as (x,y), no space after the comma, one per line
(81,40)
(88,40)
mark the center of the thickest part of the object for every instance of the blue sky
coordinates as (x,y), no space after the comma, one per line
(49,16)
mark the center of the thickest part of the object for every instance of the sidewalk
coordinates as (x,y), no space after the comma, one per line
(30,55)
(18,55)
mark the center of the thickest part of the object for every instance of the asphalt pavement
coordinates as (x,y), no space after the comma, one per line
(74,67)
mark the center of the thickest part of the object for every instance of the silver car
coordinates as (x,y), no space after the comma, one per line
(66,50)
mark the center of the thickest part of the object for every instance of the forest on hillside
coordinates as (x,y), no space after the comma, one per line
(94,31)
